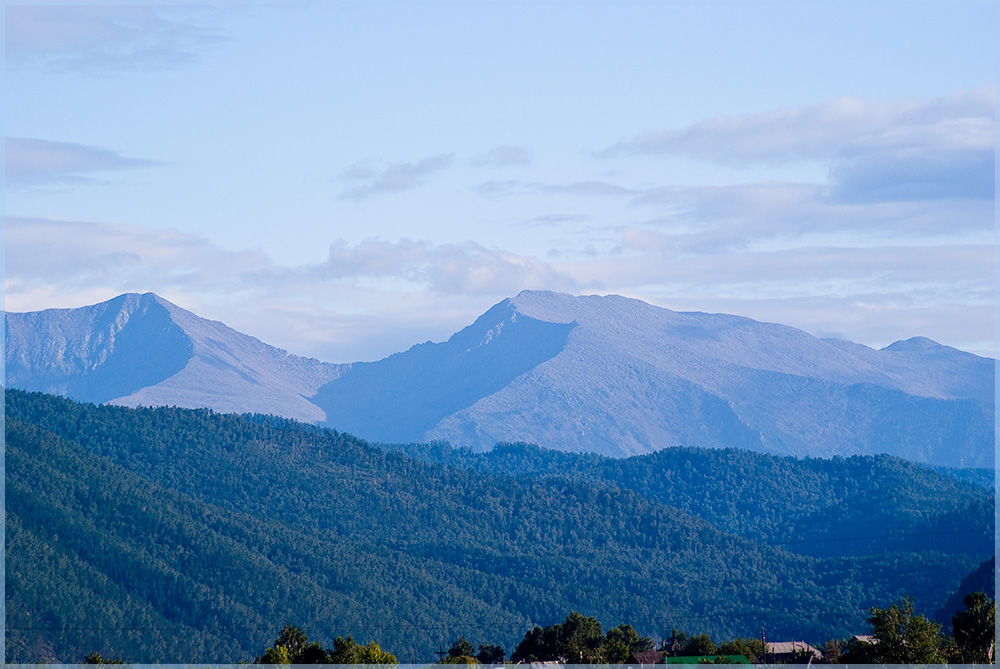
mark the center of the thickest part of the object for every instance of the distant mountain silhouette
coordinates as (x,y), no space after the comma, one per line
(601,374)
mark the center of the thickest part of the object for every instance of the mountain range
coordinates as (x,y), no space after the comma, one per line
(608,375)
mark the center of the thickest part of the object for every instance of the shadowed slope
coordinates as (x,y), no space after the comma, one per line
(401,397)
(634,378)
(141,349)
(96,353)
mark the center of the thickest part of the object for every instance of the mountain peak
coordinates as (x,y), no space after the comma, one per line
(607,374)
(913,344)
(139,348)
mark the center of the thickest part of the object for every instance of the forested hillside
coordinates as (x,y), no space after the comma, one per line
(822,507)
(171,535)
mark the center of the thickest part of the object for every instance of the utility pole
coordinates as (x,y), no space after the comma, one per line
(440,653)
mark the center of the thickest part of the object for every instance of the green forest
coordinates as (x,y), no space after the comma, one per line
(177,535)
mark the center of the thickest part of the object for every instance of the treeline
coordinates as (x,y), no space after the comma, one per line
(898,636)
(171,535)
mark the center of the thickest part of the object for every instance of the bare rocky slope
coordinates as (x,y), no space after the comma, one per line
(142,350)
(621,377)
(591,374)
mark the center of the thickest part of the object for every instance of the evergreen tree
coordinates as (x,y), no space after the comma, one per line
(293,647)
(96,658)
(975,629)
(461,652)
(490,653)
(699,645)
(461,648)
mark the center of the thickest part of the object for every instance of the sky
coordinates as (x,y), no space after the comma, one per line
(347,179)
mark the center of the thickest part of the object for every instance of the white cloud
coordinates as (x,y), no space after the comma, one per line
(647,259)
(468,268)
(377,297)
(820,131)
(107,39)
(364,302)
(40,162)
(552,220)
(98,256)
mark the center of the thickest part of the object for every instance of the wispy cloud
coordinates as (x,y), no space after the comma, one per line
(552,220)
(503,156)
(952,159)
(820,131)
(100,256)
(107,39)
(876,151)
(40,162)
(593,188)
(376,177)
(428,291)
(715,218)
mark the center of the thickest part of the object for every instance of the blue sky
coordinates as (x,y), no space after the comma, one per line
(347,179)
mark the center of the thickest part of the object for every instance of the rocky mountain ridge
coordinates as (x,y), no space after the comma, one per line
(607,374)
(143,350)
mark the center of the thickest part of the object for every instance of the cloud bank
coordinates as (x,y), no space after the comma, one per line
(326,310)
(898,241)
(877,151)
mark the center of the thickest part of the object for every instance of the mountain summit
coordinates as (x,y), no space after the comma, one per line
(142,350)
(600,374)
(621,377)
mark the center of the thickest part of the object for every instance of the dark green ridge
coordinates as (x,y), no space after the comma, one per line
(174,535)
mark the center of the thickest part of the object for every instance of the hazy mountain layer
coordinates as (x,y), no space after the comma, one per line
(631,378)
(590,374)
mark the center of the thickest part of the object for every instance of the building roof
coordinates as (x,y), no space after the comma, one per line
(697,659)
(646,657)
(791,648)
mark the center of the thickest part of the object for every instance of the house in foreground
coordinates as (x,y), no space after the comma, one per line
(792,652)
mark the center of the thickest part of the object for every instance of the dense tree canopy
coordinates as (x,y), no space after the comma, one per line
(293,647)
(174,535)
(813,506)
(579,640)
(900,637)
